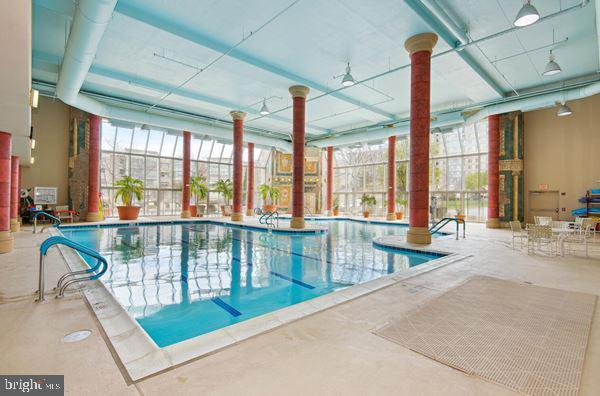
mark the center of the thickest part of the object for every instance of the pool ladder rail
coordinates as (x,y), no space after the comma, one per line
(55,221)
(440,224)
(90,274)
(270,219)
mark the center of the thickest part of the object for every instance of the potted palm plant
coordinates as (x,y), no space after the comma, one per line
(270,196)
(336,206)
(199,192)
(402,202)
(128,190)
(367,201)
(225,188)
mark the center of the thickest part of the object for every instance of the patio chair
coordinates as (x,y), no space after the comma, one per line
(544,220)
(64,213)
(539,235)
(517,233)
(578,238)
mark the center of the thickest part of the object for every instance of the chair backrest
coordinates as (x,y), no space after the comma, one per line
(579,220)
(539,231)
(515,226)
(543,220)
(536,219)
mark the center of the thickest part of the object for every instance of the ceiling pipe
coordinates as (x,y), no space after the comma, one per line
(536,102)
(368,134)
(89,24)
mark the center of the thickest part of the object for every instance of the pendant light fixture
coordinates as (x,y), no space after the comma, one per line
(527,15)
(348,80)
(264,110)
(564,110)
(552,68)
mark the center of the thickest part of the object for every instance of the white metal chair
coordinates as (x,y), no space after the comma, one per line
(517,233)
(544,220)
(539,235)
(581,236)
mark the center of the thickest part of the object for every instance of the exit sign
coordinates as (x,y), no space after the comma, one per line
(543,186)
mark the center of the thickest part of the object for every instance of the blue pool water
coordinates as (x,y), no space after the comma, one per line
(183,280)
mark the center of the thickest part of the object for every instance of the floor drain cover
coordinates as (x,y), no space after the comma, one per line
(75,336)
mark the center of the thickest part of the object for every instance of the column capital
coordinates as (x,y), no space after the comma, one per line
(299,91)
(421,42)
(237,115)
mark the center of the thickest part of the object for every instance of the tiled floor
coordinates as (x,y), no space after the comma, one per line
(333,351)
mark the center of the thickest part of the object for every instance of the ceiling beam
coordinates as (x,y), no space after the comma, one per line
(160,21)
(40,59)
(451,36)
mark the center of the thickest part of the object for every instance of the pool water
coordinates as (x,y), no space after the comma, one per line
(179,281)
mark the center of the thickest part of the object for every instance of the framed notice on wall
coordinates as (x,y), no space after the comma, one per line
(44,195)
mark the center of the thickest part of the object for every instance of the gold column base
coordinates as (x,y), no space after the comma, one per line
(237,217)
(391,217)
(297,222)
(6,242)
(93,216)
(186,214)
(249,212)
(493,223)
(15,226)
(418,235)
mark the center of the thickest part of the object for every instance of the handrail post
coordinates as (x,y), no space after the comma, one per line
(41,277)
(34,224)
(457,229)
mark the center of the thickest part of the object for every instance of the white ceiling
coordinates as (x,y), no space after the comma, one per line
(312,40)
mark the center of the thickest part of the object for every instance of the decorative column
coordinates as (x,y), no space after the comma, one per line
(6,240)
(299,93)
(15,225)
(185,196)
(330,181)
(391,193)
(493,214)
(419,48)
(250,180)
(93,213)
(238,153)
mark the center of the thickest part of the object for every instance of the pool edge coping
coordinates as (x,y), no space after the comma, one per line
(141,357)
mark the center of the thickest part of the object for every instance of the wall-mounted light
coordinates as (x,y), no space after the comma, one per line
(34,96)
(32,160)
(527,15)
(31,139)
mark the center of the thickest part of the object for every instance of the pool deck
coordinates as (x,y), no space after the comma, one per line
(331,351)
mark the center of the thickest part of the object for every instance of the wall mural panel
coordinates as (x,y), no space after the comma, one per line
(511,167)
(282,180)
(78,161)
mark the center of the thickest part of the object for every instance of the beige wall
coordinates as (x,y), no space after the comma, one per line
(51,131)
(563,152)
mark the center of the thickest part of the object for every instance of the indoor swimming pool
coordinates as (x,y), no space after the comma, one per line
(182,280)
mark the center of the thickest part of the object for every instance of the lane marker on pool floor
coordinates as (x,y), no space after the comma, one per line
(232,311)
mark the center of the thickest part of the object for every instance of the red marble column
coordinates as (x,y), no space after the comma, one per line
(330,181)
(250,180)
(93,213)
(493,220)
(15,225)
(238,170)
(419,47)
(6,239)
(391,193)
(185,194)
(299,93)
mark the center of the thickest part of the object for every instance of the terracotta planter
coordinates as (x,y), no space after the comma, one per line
(460,217)
(269,208)
(399,215)
(336,212)
(193,210)
(128,212)
(366,215)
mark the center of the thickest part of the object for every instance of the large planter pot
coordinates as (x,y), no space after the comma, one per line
(269,208)
(336,212)
(193,210)
(366,215)
(460,216)
(399,215)
(128,212)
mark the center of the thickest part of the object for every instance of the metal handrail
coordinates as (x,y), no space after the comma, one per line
(55,221)
(266,216)
(440,224)
(64,280)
